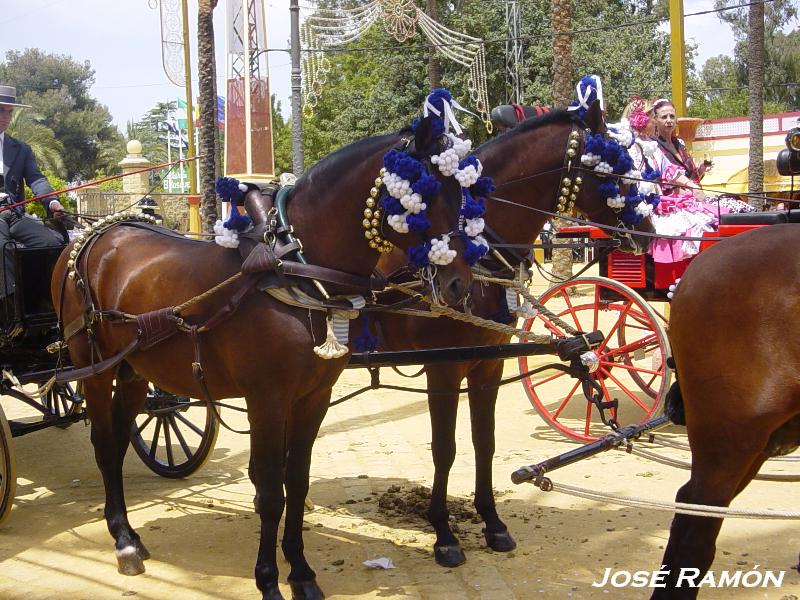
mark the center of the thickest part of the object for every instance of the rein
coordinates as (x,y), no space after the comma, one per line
(579,221)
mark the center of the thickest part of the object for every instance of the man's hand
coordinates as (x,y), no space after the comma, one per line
(57,209)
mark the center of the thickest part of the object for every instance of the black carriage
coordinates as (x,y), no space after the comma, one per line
(173,435)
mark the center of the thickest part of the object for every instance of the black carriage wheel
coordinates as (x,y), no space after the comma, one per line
(174,435)
(8,468)
(62,400)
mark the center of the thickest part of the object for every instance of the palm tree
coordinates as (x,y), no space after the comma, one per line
(28,126)
(755,74)
(208,111)
(562,94)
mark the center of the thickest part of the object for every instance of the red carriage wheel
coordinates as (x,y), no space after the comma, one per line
(8,469)
(632,357)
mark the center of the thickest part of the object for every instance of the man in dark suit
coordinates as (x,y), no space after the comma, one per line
(18,167)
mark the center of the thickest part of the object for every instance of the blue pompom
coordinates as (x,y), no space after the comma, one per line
(418,222)
(366,342)
(392,205)
(472,208)
(408,168)
(473,252)
(418,256)
(469,160)
(624,164)
(629,216)
(595,144)
(237,222)
(608,189)
(426,186)
(391,158)
(483,187)
(650,174)
(228,189)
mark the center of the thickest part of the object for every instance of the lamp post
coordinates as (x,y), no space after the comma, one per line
(297,102)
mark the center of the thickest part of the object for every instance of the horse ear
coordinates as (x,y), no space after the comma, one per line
(423,136)
(594,118)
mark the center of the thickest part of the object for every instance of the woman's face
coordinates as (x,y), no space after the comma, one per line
(665,120)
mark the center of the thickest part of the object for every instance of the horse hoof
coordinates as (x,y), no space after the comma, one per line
(129,562)
(143,552)
(500,541)
(306,590)
(272,593)
(449,556)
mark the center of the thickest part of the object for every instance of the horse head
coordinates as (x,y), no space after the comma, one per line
(540,165)
(433,257)
(608,197)
(410,206)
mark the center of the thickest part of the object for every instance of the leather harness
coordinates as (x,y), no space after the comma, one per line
(271,260)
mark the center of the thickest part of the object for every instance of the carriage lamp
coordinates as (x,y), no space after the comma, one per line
(788,160)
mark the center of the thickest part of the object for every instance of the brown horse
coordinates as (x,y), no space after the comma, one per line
(528,166)
(732,331)
(262,352)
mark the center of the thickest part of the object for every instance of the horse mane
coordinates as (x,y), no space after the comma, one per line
(555,116)
(328,170)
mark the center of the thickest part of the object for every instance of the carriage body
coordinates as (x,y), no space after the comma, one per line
(30,355)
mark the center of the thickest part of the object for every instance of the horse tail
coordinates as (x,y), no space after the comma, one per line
(673,406)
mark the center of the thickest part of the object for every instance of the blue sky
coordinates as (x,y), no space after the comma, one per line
(122,41)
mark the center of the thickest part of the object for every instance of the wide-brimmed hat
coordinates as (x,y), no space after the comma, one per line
(8,97)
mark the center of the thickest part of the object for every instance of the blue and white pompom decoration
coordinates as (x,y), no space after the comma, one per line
(589,89)
(610,159)
(227,233)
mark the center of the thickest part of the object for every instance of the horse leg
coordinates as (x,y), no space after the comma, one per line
(303,430)
(443,408)
(482,418)
(267,462)
(718,475)
(112,418)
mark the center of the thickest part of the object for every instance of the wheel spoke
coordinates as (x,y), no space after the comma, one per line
(168,442)
(188,423)
(143,426)
(154,444)
(626,391)
(565,401)
(181,440)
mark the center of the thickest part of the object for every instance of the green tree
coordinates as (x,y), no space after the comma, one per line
(28,126)
(281,138)
(57,87)
(723,80)
(382,89)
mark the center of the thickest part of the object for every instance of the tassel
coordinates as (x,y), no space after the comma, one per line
(331,348)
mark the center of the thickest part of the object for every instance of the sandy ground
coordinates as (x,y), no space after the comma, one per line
(203,534)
